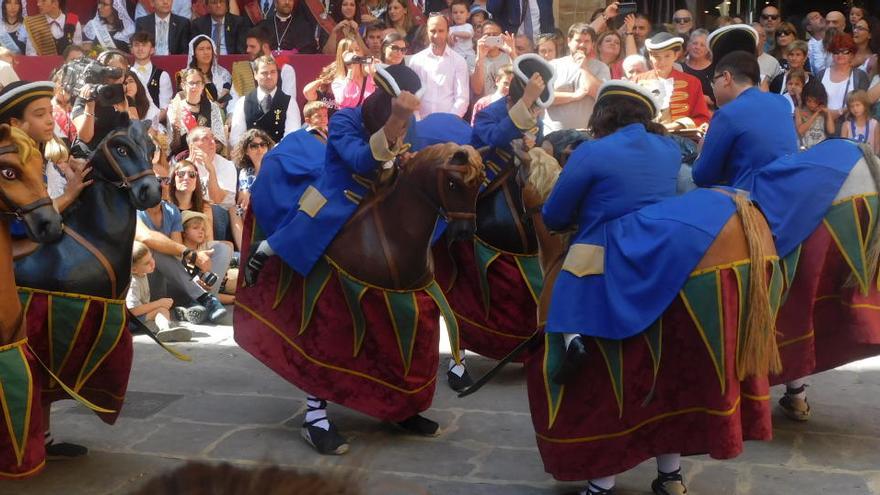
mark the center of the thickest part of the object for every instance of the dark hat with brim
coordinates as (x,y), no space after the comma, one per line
(17,95)
(732,38)
(664,41)
(393,79)
(617,87)
(526,65)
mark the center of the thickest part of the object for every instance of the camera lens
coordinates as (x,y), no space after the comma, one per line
(209,278)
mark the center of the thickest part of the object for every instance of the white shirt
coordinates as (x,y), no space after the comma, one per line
(444,81)
(57,30)
(239,125)
(227,179)
(165,91)
(817,55)
(837,91)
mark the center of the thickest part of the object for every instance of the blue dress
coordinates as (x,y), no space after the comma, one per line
(287,169)
(603,180)
(746,134)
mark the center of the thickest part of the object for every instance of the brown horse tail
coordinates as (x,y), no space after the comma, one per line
(760,354)
(544,172)
(872,250)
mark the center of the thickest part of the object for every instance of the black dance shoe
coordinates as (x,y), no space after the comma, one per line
(420,425)
(326,442)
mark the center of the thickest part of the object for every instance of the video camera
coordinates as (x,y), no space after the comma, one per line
(85,71)
(351,59)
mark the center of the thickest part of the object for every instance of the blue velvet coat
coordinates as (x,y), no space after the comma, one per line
(494,127)
(746,134)
(603,180)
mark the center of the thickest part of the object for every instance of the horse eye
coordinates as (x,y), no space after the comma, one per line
(122,150)
(9,174)
(451,185)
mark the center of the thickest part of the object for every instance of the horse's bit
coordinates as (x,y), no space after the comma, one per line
(14,210)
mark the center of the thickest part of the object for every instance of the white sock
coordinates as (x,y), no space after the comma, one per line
(317,412)
(458,369)
(668,463)
(605,483)
(568,338)
(162,323)
(266,248)
(795,385)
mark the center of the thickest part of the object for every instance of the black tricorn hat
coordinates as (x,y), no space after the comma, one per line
(527,65)
(728,39)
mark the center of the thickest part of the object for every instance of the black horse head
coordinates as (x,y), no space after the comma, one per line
(124,158)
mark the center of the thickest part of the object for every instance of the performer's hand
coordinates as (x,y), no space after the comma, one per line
(404,105)
(533,89)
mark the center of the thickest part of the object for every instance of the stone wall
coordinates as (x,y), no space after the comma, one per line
(567,12)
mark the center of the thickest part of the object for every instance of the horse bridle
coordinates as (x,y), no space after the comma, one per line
(14,210)
(441,208)
(125,180)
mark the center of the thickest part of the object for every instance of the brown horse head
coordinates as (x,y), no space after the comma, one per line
(22,187)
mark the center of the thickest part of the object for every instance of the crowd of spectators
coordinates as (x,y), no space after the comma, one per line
(214,123)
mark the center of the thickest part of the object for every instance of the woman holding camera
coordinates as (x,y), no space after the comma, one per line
(193,108)
(218,80)
(354,75)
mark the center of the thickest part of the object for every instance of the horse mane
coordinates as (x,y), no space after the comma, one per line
(26,146)
(442,153)
(544,171)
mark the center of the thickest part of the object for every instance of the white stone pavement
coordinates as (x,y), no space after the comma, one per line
(226,406)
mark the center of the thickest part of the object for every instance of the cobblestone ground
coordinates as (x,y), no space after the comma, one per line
(226,406)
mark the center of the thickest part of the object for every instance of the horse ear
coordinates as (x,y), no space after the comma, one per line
(460,157)
(5,131)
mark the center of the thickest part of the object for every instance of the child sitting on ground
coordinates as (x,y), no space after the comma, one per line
(141,305)
(195,237)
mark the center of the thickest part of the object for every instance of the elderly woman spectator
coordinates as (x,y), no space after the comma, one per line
(796,59)
(218,80)
(111,28)
(192,108)
(699,62)
(13,17)
(393,49)
(248,157)
(840,78)
(609,48)
(354,79)
(785,34)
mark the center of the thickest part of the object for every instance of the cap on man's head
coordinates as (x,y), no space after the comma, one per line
(16,96)
(664,41)
(732,38)
(618,87)
(528,64)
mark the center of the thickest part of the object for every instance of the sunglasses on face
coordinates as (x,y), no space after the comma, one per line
(769,17)
(681,20)
(186,173)
(253,145)
(784,32)
(395,48)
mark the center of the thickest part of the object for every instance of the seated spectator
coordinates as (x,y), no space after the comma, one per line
(111,28)
(397,17)
(320,89)
(443,73)
(61,107)
(494,50)
(267,107)
(578,77)
(73,52)
(393,49)
(225,29)
(867,39)
(182,8)
(192,108)
(814,122)
(699,63)
(859,125)
(13,17)
(346,15)
(161,229)
(218,80)
(248,156)
(195,237)
(65,28)
(139,105)
(795,59)
(292,27)
(93,118)
(155,80)
(503,77)
(186,191)
(145,308)
(256,46)
(461,33)
(219,179)
(373,37)
(785,34)
(373,10)
(354,79)
(609,48)
(171,32)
